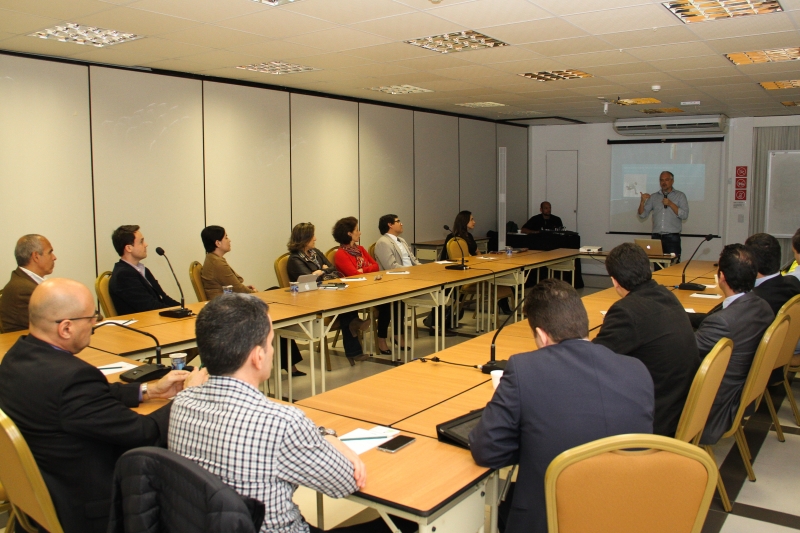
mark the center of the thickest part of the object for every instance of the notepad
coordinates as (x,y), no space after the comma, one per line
(688,309)
(711,286)
(118,322)
(709,296)
(443,262)
(366,439)
(353,279)
(115,368)
(396,272)
(489,258)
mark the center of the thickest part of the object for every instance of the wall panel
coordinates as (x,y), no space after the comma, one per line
(478,169)
(247,176)
(324,163)
(45,163)
(386,160)
(436,191)
(515,139)
(148,167)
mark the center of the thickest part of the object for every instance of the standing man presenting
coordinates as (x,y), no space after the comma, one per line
(667,220)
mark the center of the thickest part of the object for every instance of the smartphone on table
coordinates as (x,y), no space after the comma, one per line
(396,444)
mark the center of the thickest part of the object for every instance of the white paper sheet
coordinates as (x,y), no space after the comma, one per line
(123,322)
(487,258)
(709,296)
(688,309)
(114,368)
(352,279)
(372,438)
(443,262)
(396,272)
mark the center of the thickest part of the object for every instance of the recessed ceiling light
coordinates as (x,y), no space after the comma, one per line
(787,84)
(77,34)
(702,10)
(275,2)
(482,104)
(660,110)
(555,75)
(278,67)
(791,104)
(636,101)
(400,89)
(462,41)
(764,56)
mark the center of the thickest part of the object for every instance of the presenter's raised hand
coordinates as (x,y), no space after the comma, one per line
(645,197)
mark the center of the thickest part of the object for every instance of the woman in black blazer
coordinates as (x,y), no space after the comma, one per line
(305,259)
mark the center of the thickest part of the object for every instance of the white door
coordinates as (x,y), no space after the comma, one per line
(562,186)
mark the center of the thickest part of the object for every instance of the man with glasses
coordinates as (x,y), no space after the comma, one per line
(76,423)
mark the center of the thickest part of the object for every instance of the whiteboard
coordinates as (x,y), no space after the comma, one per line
(783,191)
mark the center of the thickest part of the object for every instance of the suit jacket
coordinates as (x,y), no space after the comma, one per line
(131,293)
(744,321)
(651,325)
(76,425)
(778,290)
(552,400)
(387,253)
(14,302)
(300,265)
(217,273)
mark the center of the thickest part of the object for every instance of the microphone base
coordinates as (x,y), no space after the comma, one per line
(144,373)
(457,267)
(691,287)
(180,312)
(493,365)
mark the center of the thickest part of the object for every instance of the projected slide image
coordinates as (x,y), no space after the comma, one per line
(690,179)
(635,185)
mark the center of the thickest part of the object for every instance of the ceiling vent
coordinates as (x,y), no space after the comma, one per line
(692,125)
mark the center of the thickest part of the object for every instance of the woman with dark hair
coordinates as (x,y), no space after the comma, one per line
(305,259)
(462,225)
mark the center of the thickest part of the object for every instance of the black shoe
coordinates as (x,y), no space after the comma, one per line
(298,373)
(447,333)
(384,352)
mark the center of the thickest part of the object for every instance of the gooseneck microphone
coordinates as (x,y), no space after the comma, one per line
(693,286)
(182,312)
(462,266)
(493,363)
(142,373)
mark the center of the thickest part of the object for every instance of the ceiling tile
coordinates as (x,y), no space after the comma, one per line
(213,36)
(535,31)
(339,39)
(743,26)
(765,41)
(47,47)
(640,69)
(66,11)
(375,70)
(716,72)
(276,50)
(348,11)
(434,61)
(473,71)
(174,64)
(769,70)
(686,63)
(571,7)
(416,78)
(488,56)
(137,21)
(333,61)
(650,37)
(582,61)
(535,65)
(223,58)
(276,23)
(450,85)
(671,51)
(624,19)
(409,26)
(427,4)
(23,23)
(199,10)
(576,45)
(487,13)
(393,52)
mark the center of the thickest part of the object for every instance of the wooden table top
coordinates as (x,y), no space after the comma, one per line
(535,257)
(694,270)
(420,478)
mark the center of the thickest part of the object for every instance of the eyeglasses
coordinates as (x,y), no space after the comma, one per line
(96,316)
(397,221)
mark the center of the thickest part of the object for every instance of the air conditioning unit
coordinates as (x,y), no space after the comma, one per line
(692,125)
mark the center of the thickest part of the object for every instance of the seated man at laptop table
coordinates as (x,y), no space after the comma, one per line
(567,393)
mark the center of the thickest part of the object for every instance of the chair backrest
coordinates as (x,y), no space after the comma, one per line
(22,479)
(331,255)
(664,486)
(371,250)
(195,275)
(101,289)
(703,391)
(454,252)
(764,361)
(792,310)
(281,270)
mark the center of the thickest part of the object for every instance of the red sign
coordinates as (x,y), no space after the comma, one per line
(740,195)
(741,183)
(741,172)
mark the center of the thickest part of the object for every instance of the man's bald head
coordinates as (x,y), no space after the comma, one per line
(56,300)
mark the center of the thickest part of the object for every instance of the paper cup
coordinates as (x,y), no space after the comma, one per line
(496,375)
(178,360)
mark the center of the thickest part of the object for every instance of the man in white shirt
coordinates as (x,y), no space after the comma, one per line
(35,260)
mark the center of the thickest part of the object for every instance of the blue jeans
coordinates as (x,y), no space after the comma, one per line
(671,243)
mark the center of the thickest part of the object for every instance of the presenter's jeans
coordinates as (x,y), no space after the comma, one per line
(671,243)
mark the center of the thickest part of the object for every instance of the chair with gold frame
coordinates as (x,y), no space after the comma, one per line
(330,255)
(791,309)
(628,484)
(101,289)
(196,277)
(23,482)
(705,386)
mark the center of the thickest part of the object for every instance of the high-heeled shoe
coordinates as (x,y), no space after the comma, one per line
(406,347)
(384,352)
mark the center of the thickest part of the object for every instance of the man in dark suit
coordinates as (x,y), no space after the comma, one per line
(75,423)
(567,393)
(35,260)
(650,324)
(743,318)
(543,221)
(132,286)
(775,289)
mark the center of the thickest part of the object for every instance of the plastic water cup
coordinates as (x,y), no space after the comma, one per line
(294,287)
(496,375)
(178,360)
(227,289)
(509,251)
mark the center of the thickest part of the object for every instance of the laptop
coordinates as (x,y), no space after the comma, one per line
(307,282)
(650,246)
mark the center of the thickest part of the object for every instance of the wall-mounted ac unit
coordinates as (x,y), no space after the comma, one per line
(692,125)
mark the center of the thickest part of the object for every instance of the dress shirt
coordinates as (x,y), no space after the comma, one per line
(730,299)
(664,219)
(140,268)
(759,281)
(260,448)
(35,277)
(403,251)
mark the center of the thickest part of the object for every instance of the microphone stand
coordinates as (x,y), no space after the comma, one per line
(143,373)
(493,363)
(182,312)
(693,286)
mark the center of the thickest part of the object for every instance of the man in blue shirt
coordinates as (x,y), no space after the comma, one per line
(667,220)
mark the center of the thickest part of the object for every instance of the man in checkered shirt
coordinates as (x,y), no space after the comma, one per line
(261,448)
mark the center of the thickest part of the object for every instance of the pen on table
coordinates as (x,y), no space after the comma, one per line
(108,367)
(364,438)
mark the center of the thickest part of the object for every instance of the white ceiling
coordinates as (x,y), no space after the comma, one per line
(627,45)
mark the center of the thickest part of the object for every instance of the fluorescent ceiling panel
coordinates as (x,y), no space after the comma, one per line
(786,84)
(462,41)
(555,75)
(690,11)
(636,101)
(482,104)
(71,32)
(764,56)
(278,67)
(400,89)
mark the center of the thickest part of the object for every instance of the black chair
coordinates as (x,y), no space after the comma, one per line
(158,491)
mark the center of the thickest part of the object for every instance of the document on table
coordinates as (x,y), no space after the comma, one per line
(603,313)
(487,258)
(688,309)
(444,262)
(352,279)
(711,286)
(118,322)
(362,440)
(115,367)
(709,296)
(396,272)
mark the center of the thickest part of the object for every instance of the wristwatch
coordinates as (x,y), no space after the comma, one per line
(143,390)
(327,431)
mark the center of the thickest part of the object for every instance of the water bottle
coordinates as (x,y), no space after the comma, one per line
(227,289)
(509,251)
